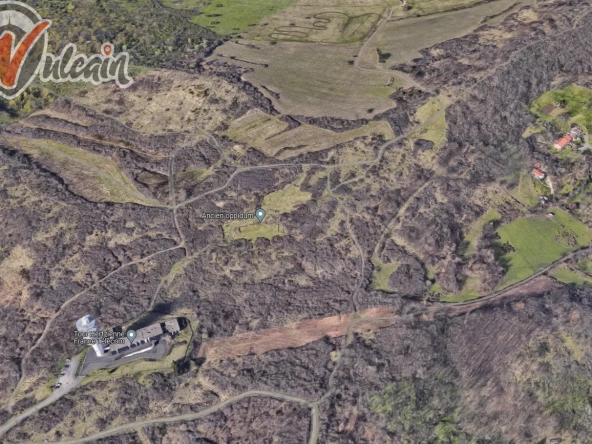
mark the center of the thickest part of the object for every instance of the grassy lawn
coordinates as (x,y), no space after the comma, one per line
(536,242)
(525,192)
(468,292)
(232,16)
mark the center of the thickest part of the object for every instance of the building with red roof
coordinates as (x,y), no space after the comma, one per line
(538,173)
(563,142)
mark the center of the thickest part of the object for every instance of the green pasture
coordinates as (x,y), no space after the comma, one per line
(538,242)
(227,17)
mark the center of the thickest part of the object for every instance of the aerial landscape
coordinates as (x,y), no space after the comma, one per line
(295,221)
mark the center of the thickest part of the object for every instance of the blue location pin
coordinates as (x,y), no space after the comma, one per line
(131,335)
(260,214)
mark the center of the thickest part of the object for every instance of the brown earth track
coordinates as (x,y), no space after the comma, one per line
(295,335)
(306,332)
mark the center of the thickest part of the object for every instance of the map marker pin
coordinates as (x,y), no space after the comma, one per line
(260,214)
(131,335)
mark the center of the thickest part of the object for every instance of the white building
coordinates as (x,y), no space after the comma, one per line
(89,324)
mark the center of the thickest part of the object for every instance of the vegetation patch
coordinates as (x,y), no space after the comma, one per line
(414,408)
(432,119)
(254,232)
(562,387)
(476,230)
(89,175)
(151,33)
(525,192)
(424,7)
(404,39)
(382,272)
(530,243)
(275,204)
(285,200)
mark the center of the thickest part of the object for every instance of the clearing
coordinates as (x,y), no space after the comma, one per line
(295,335)
(569,276)
(229,17)
(576,107)
(382,272)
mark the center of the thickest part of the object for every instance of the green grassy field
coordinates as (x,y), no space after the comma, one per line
(228,17)
(525,192)
(538,242)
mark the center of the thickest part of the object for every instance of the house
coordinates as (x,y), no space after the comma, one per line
(537,165)
(540,175)
(563,142)
(569,137)
(575,132)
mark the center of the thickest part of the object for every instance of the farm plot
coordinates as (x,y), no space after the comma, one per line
(318,24)
(329,21)
(399,41)
(267,134)
(312,79)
